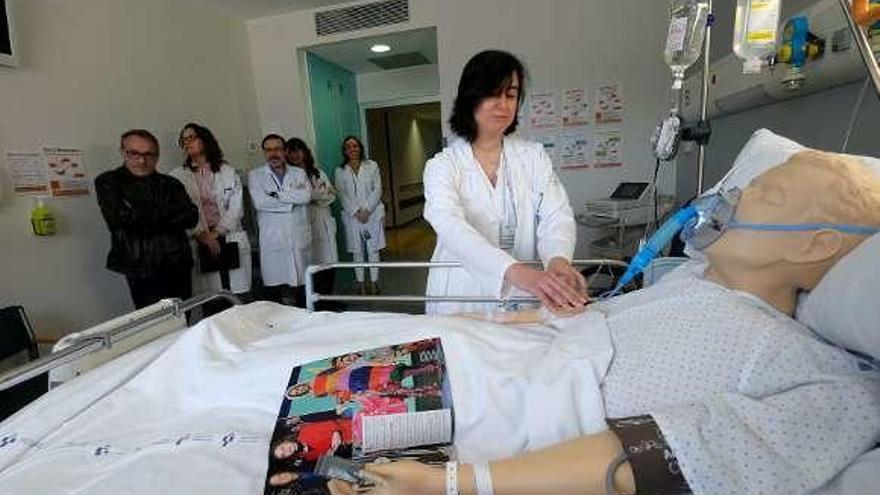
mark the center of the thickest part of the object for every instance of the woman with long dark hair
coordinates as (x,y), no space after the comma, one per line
(321,220)
(215,188)
(495,201)
(360,189)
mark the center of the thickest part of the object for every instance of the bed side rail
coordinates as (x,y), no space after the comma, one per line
(107,334)
(313,297)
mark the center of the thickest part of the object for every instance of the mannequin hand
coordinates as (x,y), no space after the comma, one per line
(554,292)
(397,478)
(563,269)
(363,216)
(209,240)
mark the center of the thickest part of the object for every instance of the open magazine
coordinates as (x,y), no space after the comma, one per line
(391,402)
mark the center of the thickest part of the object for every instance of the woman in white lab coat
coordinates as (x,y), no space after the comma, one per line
(281,196)
(495,201)
(323,225)
(363,214)
(215,188)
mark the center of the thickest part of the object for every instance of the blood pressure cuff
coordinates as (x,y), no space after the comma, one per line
(654,465)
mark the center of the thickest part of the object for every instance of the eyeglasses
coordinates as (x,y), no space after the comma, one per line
(134,156)
(184,140)
(275,149)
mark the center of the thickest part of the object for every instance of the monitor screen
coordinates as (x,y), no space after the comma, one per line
(629,190)
(5,34)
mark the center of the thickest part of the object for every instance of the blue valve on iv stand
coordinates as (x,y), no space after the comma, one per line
(653,247)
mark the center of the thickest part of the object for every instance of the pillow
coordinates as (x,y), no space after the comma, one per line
(843,308)
(763,151)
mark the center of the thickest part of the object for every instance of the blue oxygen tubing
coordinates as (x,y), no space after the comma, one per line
(652,248)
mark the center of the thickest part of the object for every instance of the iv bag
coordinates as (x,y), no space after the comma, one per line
(756,32)
(687,31)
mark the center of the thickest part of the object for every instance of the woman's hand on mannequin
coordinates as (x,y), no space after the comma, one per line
(397,478)
(553,291)
(562,268)
(209,240)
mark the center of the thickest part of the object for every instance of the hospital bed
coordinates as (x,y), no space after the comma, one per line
(143,390)
(142,404)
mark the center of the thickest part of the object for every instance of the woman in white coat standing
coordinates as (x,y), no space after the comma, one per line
(363,214)
(323,225)
(495,201)
(215,188)
(281,196)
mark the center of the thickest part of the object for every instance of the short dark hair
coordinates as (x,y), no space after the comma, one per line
(211,147)
(297,144)
(270,137)
(141,133)
(344,156)
(486,74)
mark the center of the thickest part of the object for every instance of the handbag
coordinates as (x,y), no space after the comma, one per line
(227,261)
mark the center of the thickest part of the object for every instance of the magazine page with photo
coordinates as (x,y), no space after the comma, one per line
(388,403)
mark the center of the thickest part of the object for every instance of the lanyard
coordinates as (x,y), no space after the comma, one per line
(278,185)
(508,222)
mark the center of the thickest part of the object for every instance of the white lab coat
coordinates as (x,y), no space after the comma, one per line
(357,191)
(465,211)
(228,194)
(323,223)
(285,230)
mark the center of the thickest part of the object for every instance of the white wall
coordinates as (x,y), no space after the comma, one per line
(565,43)
(89,70)
(391,87)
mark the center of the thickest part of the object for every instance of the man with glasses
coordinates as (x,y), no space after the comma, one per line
(148,214)
(281,194)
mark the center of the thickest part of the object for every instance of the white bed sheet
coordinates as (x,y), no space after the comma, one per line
(194,413)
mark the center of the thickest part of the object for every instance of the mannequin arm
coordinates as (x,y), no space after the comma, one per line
(577,467)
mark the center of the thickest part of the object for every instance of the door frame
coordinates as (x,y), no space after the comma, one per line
(397,102)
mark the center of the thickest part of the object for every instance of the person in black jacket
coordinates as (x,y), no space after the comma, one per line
(147,213)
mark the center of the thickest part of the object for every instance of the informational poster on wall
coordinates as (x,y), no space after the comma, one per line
(575,107)
(543,110)
(28,173)
(67,172)
(574,151)
(608,149)
(610,105)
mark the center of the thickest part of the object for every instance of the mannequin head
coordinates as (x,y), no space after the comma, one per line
(811,187)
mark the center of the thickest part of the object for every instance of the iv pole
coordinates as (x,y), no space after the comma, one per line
(704,103)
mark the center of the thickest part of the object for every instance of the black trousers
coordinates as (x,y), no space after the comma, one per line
(278,294)
(324,285)
(149,290)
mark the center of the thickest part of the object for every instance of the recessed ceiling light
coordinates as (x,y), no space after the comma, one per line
(380,48)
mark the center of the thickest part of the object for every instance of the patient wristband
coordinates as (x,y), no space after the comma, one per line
(654,465)
(451,478)
(483,479)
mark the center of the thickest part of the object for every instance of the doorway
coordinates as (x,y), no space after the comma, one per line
(401,140)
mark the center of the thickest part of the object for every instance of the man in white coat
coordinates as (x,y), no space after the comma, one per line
(281,196)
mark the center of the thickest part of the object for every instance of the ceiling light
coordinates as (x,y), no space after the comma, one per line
(380,48)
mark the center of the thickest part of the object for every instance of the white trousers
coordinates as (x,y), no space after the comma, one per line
(358,257)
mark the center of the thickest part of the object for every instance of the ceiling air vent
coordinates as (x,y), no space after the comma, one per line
(362,16)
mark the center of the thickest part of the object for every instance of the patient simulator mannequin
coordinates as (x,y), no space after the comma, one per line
(721,391)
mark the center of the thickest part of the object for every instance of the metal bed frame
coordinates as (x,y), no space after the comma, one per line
(107,334)
(313,297)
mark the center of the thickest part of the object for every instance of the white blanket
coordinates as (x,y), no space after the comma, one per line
(194,413)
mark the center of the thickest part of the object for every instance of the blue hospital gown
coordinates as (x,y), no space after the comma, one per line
(750,401)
